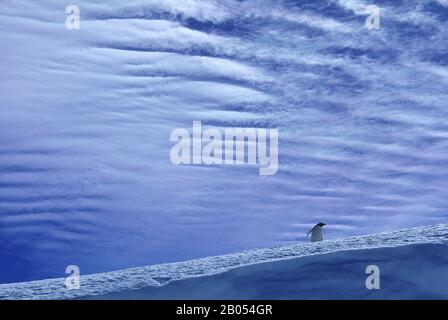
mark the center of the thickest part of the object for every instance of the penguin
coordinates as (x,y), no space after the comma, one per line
(316,232)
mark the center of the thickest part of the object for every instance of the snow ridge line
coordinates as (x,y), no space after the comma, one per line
(162,274)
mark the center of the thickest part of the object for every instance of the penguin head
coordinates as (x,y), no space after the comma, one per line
(321,224)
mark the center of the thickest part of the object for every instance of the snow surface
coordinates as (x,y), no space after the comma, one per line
(417,257)
(417,271)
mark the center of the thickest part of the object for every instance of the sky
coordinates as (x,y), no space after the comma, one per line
(86,117)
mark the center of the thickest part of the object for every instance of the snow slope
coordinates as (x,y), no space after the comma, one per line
(417,271)
(413,264)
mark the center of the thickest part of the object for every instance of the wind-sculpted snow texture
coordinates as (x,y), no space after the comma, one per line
(416,271)
(163,274)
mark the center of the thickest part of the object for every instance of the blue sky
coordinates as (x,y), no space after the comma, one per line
(86,115)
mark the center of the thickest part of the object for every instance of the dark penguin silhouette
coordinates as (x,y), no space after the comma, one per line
(316,232)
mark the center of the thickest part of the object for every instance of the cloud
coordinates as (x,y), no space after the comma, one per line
(87,115)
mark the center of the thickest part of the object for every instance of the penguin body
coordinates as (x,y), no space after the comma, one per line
(316,232)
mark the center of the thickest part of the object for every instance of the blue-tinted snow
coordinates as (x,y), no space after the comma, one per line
(429,263)
(415,271)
